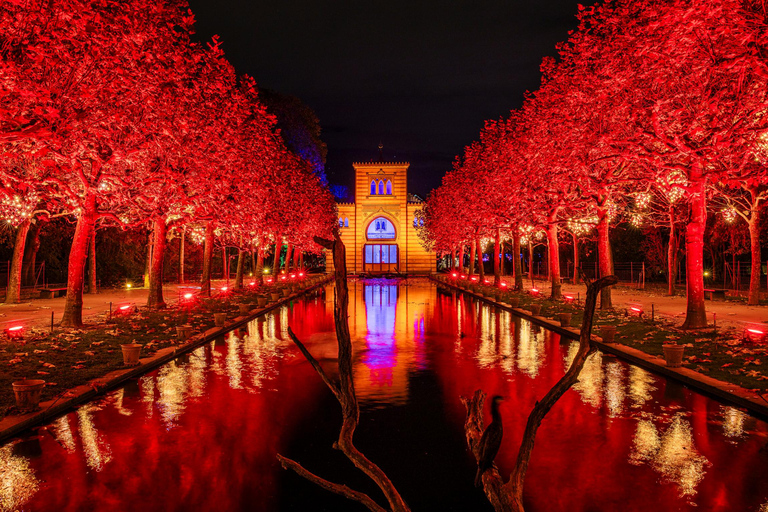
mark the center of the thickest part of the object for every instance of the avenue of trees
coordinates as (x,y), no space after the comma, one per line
(111,115)
(654,113)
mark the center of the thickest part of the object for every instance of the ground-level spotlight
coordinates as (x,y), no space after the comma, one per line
(534,291)
(567,297)
(125,309)
(293,276)
(301,274)
(754,333)
(15,332)
(252,283)
(454,275)
(635,309)
(503,285)
(463,277)
(128,286)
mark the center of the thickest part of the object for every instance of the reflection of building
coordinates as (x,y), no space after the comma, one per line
(379,228)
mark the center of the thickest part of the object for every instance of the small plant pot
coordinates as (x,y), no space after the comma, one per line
(514,302)
(565,319)
(27,393)
(673,355)
(535,309)
(286,292)
(219,319)
(275,296)
(261,302)
(245,309)
(131,353)
(184,332)
(608,333)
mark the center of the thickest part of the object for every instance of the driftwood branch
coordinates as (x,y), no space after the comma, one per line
(345,392)
(340,489)
(509,496)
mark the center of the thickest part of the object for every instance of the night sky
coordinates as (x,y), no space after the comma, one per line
(419,77)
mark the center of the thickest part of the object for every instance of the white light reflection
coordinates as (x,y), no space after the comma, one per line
(234,364)
(672,454)
(17,480)
(486,351)
(590,383)
(171,387)
(260,353)
(147,384)
(119,395)
(530,349)
(640,386)
(733,423)
(63,433)
(97,451)
(614,388)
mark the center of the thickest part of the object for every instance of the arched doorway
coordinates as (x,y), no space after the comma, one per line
(379,255)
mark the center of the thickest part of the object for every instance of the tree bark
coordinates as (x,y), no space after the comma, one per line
(259,265)
(14,280)
(278,249)
(181,254)
(530,259)
(554,258)
(288,254)
(461,259)
(296,254)
(73,306)
(696,314)
(754,242)
(517,264)
(604,254)
(205,283)
(472,248)
(239,273)
(497,258)
(148,261)
(453,260)
(576,278)
(30,254)
(480,263)
(672,251)
(92,263)
(159,235)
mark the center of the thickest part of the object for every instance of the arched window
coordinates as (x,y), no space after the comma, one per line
(389,188)
(381,187)
(373,187)
(381,229)
(415,222)
(341,222)
(346,222)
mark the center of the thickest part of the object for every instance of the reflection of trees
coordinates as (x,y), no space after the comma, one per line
(508,496)
(96,450)
(672,453)
(17,480)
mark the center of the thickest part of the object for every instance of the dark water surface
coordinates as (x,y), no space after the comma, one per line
(201,433)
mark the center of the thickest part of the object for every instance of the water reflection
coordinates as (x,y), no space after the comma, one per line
(211,422)
(17,480)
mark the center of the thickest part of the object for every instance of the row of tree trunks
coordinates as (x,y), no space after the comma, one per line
(497,259)
(480,266)
(205,285)
(181,255)
(239,273)
(30,253)
(472,248)
(278,249)
(576,279)
(516,260)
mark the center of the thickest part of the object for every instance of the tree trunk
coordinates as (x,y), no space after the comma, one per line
(604,255)
(148,261)
(181,254)
(497,259)
(296,254)
(159,235)
(672,254)
(224,264)
(530,259)
(301,261)
(696,314)
(754,242)
(92,263)
(73,307)
(288,254)
(278,249)
(14,280)
(239,273)
(517,264)
(480,263)
(554,258)
(453,260)
(461,259)
(205,283)
(576,278)
(472,248)
(259,265)
(30,254)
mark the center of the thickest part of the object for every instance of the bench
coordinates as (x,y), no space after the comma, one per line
(714,293)
(50,293)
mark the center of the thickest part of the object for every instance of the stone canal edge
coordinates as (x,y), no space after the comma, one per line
(731,393)
(11,426)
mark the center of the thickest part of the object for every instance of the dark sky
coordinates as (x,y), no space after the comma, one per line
(419,76)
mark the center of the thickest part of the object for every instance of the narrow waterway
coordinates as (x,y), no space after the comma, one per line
(202,432)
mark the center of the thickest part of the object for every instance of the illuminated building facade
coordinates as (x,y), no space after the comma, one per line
(379,228)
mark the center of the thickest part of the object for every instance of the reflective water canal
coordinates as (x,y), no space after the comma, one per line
(202,432)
